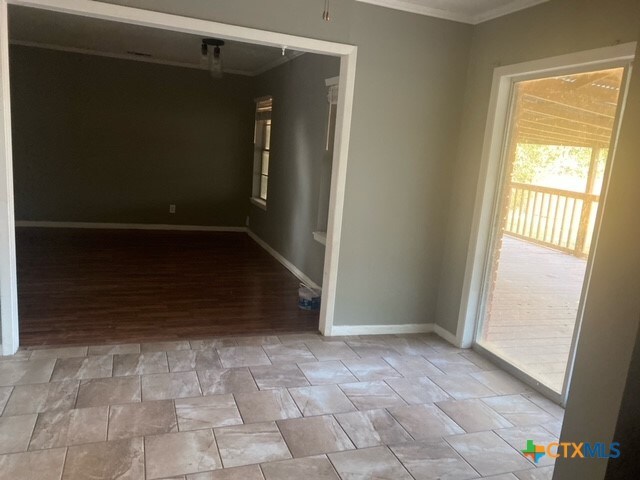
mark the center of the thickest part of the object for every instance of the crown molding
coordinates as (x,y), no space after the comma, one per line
(419,9)
(124,56)
(513,7)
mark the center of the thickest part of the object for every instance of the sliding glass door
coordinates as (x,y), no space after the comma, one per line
(558,138)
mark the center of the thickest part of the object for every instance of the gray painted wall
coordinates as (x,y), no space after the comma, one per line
(104,140)
(298,139)
(408,100)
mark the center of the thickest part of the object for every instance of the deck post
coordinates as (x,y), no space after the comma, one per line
(587,204)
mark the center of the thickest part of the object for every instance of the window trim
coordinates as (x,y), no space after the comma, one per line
(259,133)
(258,202)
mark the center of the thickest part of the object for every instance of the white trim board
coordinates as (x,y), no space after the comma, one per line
(136,16)
(286,263)
(8,275)
(400,329)
(333,81)
(413,6)
(178,23)
(127,226)
(158,61)
(446,335)
(340,330)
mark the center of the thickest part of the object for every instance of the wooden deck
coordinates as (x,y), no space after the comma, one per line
(532,312)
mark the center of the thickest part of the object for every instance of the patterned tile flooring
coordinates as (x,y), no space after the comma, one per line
(269,408)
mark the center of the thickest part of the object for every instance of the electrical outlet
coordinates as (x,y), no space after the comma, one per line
(247,222)
(172,208)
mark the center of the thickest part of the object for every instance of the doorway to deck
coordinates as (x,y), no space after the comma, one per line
(559,132)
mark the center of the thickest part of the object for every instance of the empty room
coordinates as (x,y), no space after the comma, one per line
(322,239)
(141,169)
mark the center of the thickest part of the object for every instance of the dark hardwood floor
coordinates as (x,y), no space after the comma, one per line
(116,286)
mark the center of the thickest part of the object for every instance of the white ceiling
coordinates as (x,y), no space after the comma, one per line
(36,27)
(466,11)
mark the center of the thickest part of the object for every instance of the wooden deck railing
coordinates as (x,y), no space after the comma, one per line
(559,219)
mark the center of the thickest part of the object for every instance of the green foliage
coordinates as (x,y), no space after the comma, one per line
(533,161)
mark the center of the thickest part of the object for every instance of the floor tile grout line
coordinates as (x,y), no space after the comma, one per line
(343,431)
(483,400)
(215,440)
(399,423)
(444,439)
(333,465)
(82,444)
(483,404)
(351,439)
(261,470)
(514,448)
(253,377)
(108,421)
(502,440)
(386,380)
(298,408)
(325,385)
(144,456)
(456,423)
(33,429)
(64,462)
(400,461)
(284,440)
(4,407)
(369,358)
(77,393)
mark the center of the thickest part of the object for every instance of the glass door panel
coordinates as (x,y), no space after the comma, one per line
(558,140)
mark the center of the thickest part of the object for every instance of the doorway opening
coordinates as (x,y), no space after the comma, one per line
(286,47)
(560,134)
(549,143)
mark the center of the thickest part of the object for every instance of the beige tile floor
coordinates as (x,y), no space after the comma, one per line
(268,408)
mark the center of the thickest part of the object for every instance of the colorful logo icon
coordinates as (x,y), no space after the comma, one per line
(533,451)
(571,450)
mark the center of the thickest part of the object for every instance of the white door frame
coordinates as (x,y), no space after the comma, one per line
(491,168)
(206,28)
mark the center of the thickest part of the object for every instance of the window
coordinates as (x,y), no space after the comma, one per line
(262,147)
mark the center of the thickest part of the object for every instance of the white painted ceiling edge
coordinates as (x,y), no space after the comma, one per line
(123,56)
(465,11)
(32,27)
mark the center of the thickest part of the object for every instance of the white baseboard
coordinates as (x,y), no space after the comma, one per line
(446,335)
(286,263)
(340,330)
(127,226)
